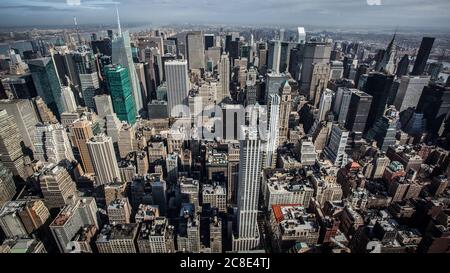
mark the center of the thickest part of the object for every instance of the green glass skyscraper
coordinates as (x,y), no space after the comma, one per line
(119,86)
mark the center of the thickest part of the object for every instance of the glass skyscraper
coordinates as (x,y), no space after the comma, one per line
(119,86)
(121,54)
(47,83)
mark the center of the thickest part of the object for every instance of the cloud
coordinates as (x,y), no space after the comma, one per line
(52,5)
(312,12)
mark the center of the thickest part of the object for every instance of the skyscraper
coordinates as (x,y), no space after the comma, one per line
(11,154)
(409,91)
(378,85)
(301,35)
(422,56)
(342,103)
(24,116)
(224,77)
(195,50)
(104,160)
(272,134)
(121,92)
(315,61)
(335,150)
(403,66)
(387,64)
(248,191)
(385,129)
(209,41)
(52,144)
(358,111)
(325,104)
(121,55)
(274,56)
(57,186)
(81,132)
(47,83)
(434,104)
(68,99)
(87,71)
(103,105)
(177,86)
(285,111)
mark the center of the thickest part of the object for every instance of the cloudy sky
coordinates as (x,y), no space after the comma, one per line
(428,13)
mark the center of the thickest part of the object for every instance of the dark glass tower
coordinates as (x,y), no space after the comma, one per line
(47,83)
(434,103)
(422,56)
(358,111)
(403,65)
(379,86)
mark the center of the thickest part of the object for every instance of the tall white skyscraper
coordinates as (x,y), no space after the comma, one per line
(177,85)
(248,191)
(335,150)
(195,50)
(52,144)
(68,99)
(224,77)
(341,104)
(325,103)
(271,145)
(121,54)
(301,35)
(104,160)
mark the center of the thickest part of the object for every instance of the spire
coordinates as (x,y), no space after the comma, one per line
(119,29)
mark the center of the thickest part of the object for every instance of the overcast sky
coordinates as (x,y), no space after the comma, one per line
(427,13)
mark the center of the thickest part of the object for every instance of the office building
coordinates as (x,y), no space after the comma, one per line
(52,144)
(21,218)
(358,111)
(120,88)
(409,91)
(248,191)
(87,71)
(195,52)
(122,55)
(47,83)
(215,195)
(378,85)
(104,160)
(56,185)
(335,150)
(422,56)
(118,239)
(74,216)
(315,71)
(81,131)
(177,87)
(272,133)
(119,211)
(224,71)
(24,116)
(188,239)
(325,104)
(11,154)
(68,99)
